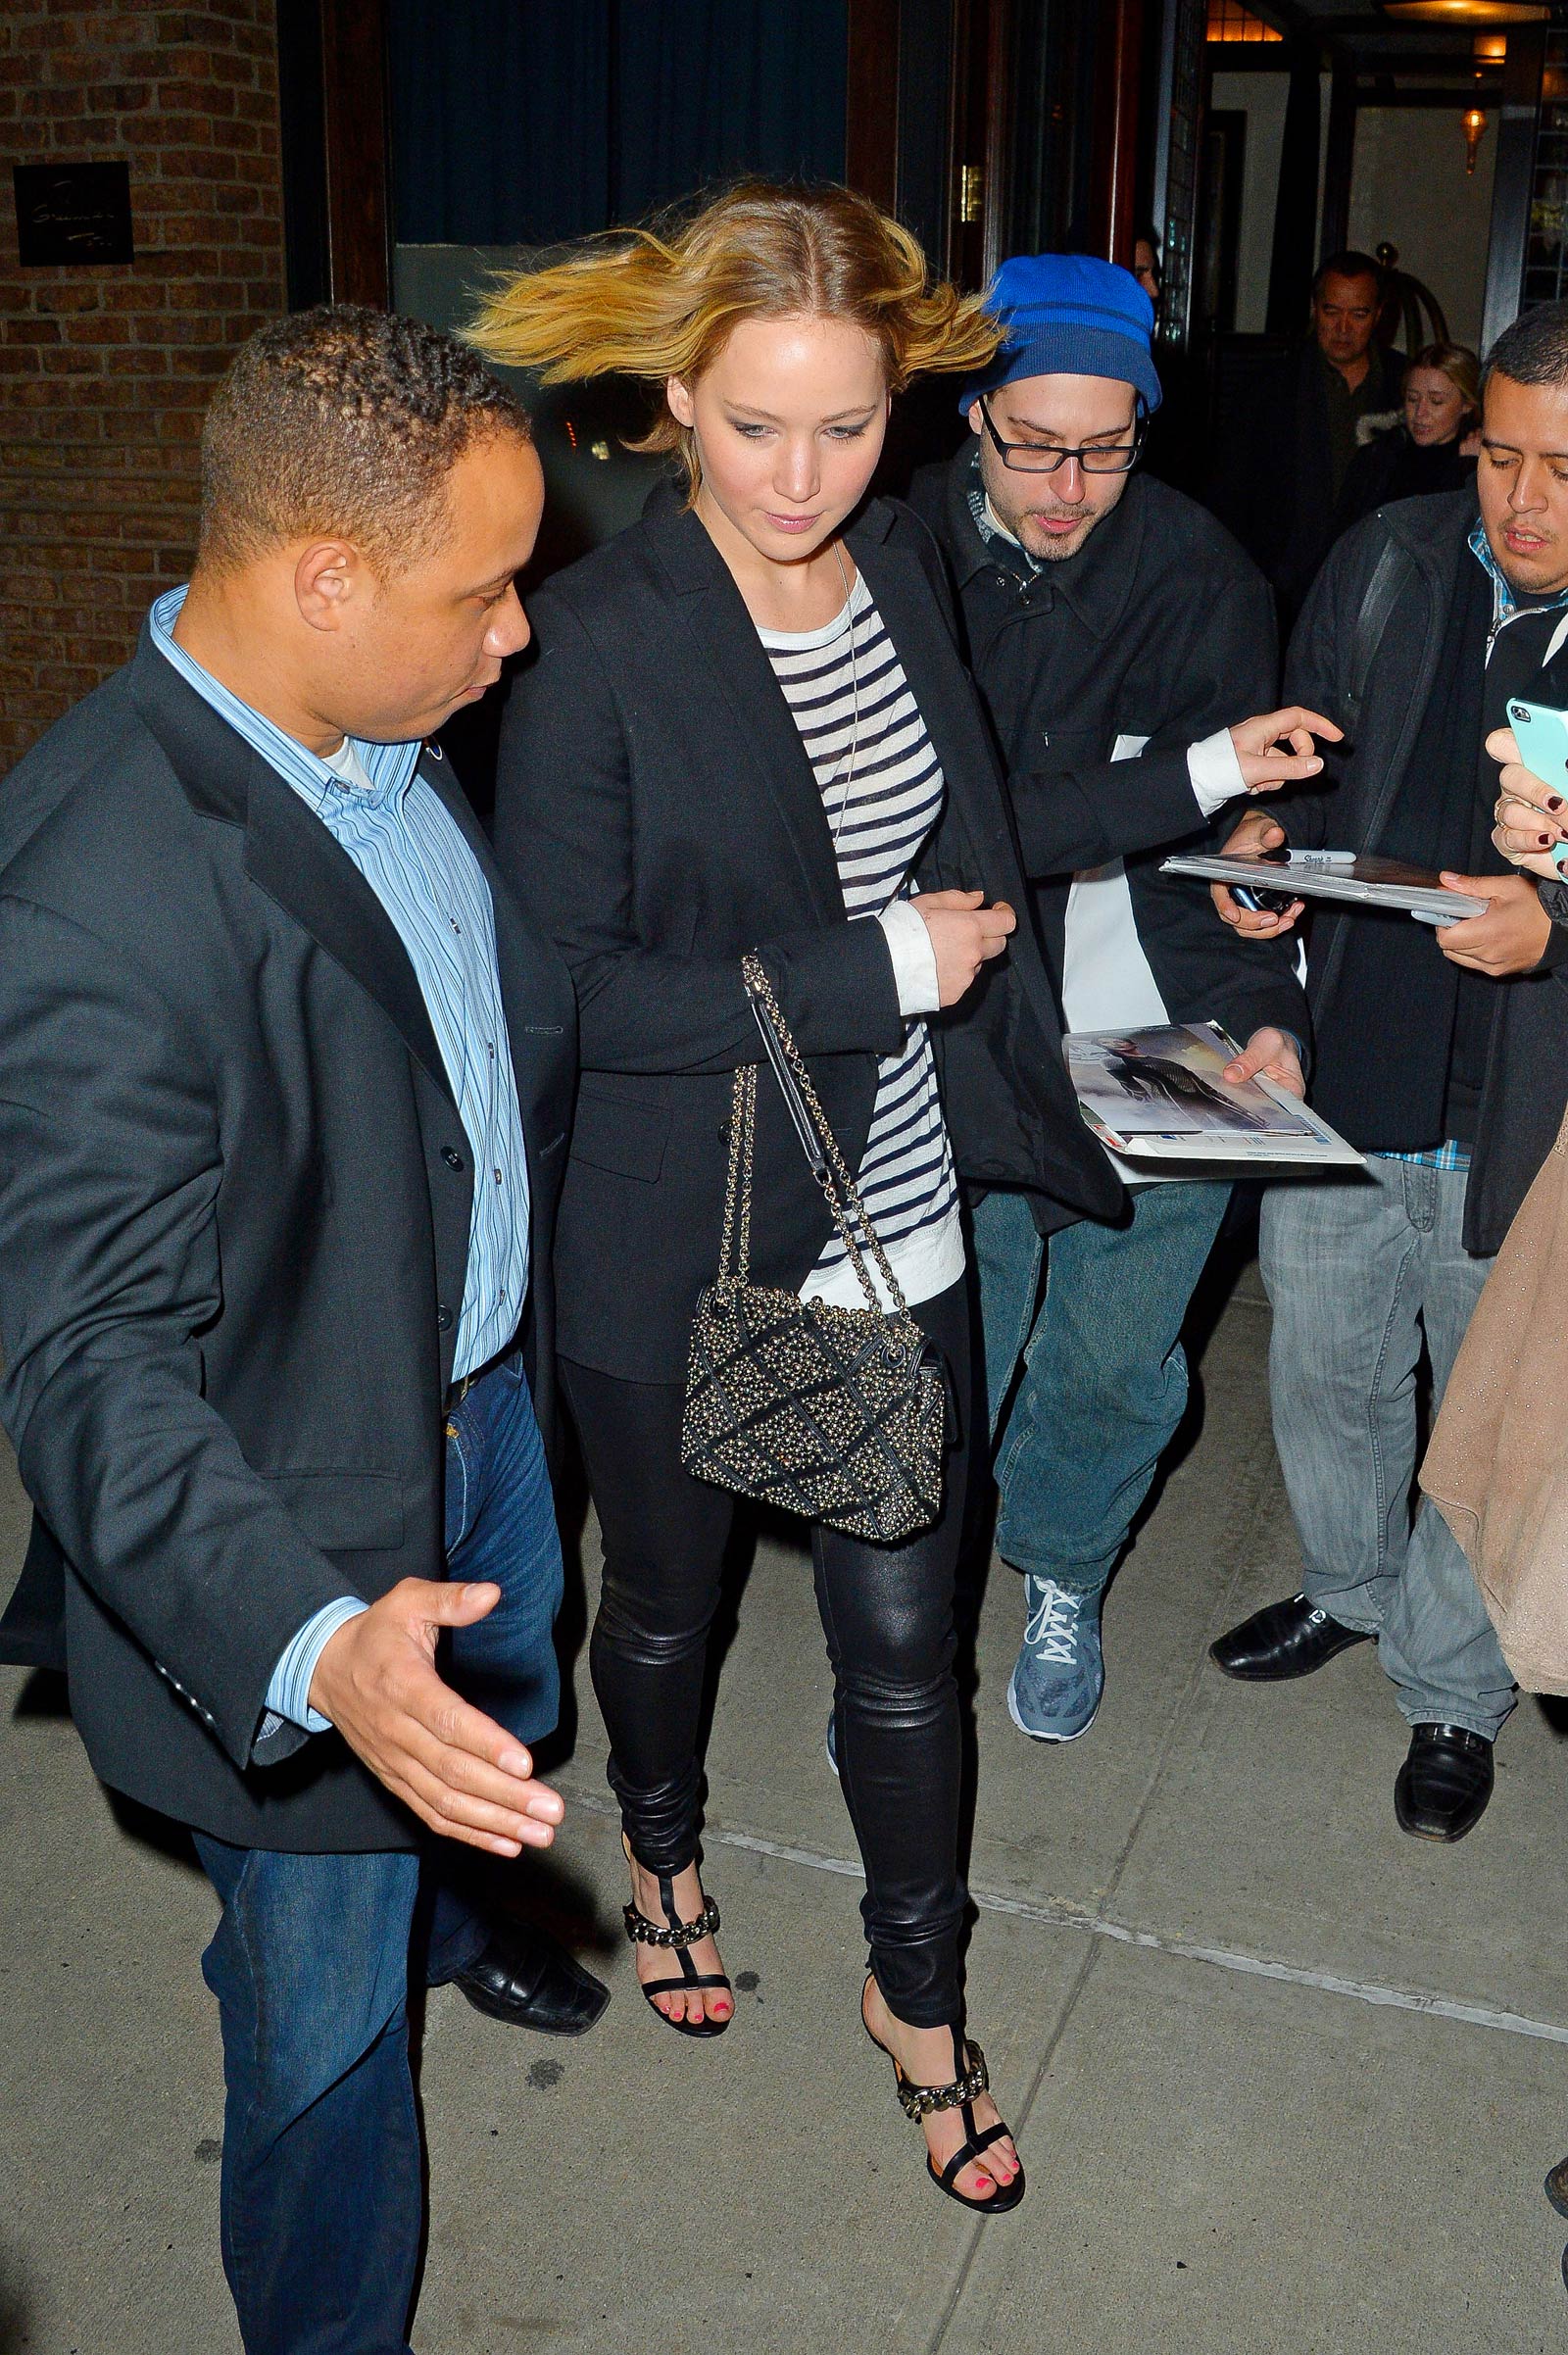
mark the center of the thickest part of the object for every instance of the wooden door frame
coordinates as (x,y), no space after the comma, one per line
(1119,31)
(336,151)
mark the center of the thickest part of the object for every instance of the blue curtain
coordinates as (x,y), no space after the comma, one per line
(523,122)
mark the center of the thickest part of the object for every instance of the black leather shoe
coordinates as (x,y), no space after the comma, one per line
(1285,1638)
(1557,2186)
(525,1978)
(1442,1789)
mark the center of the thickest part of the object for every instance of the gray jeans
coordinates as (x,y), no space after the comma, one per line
(1356,1271)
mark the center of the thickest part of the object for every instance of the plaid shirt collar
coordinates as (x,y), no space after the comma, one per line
(1009,551)
(1505,607)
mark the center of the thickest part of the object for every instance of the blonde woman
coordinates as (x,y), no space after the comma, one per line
(748,727)
(1429,446)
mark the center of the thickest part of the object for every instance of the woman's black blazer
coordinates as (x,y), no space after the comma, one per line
(658,814)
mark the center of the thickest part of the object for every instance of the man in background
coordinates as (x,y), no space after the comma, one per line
(1277,476)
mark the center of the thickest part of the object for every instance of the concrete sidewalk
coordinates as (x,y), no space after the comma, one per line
(1286,2082)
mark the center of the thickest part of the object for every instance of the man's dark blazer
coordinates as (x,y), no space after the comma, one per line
(657,812)
(1162,628)
(1273,482)
(234,1206)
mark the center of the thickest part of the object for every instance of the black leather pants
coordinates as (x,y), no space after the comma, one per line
(887,1612)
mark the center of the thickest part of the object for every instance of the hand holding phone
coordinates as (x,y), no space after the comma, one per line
(1254,896)
(1532,809)
(1256,833)
(1541,741)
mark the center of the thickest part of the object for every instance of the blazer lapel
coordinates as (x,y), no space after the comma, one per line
(289,853)
(725,643)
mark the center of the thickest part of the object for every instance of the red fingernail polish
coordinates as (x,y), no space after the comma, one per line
(1555,801)
(1543,840)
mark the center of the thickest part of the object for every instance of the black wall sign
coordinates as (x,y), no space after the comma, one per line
(73,212)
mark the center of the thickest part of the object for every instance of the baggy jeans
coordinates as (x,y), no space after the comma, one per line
(1104,1381)
(1357,1271)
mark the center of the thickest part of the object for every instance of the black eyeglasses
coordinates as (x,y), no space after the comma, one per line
(1034,457)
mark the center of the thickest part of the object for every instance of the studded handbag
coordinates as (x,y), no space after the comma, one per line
(837,1415)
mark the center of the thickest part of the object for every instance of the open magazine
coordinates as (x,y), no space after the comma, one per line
(1159,1096)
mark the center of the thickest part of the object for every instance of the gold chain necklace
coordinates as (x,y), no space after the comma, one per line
(855,691)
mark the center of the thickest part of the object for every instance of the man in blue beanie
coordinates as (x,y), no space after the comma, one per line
(1106,617)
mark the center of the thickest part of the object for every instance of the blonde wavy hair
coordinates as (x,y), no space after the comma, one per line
(663,300)
(1459,364)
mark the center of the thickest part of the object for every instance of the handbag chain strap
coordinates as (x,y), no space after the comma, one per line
(761,989)
(735,1245)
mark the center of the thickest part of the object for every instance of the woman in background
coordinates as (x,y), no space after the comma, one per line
(1433,444)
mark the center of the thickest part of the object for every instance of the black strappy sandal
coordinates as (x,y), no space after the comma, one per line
(969,2078)
(678,1936)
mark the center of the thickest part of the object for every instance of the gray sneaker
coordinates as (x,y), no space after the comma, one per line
(1059,1672)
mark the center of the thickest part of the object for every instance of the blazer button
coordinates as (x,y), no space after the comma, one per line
(452,1159)
(724,1128)
(443,1318)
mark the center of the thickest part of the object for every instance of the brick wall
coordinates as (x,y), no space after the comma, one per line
(104,371)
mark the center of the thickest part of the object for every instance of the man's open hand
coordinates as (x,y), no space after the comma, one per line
(1269,1054)
(1510,938)
(460,1773)
(1257,832)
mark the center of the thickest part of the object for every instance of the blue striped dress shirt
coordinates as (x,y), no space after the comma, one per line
(411,850)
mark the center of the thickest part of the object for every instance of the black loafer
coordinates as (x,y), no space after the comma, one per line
(1283,1640)
(1442,1789)
(1557,2186)
(525,1978)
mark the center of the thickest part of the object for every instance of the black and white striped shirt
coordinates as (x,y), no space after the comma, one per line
(880,809)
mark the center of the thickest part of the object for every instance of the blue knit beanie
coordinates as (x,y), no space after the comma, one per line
(1067,315)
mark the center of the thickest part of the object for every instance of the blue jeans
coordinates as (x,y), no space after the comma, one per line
(499,1525)
(1103,1378)
(321,2193)
(1359,1273)
(321,2200)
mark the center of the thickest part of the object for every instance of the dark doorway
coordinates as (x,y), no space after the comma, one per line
(529,121)
(1219,221)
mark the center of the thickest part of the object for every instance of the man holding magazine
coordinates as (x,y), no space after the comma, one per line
(1442,1054)
(1115,631)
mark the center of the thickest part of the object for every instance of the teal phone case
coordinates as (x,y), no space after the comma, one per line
(1541,735)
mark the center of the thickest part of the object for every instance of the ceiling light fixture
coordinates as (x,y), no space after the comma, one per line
(1464,12)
